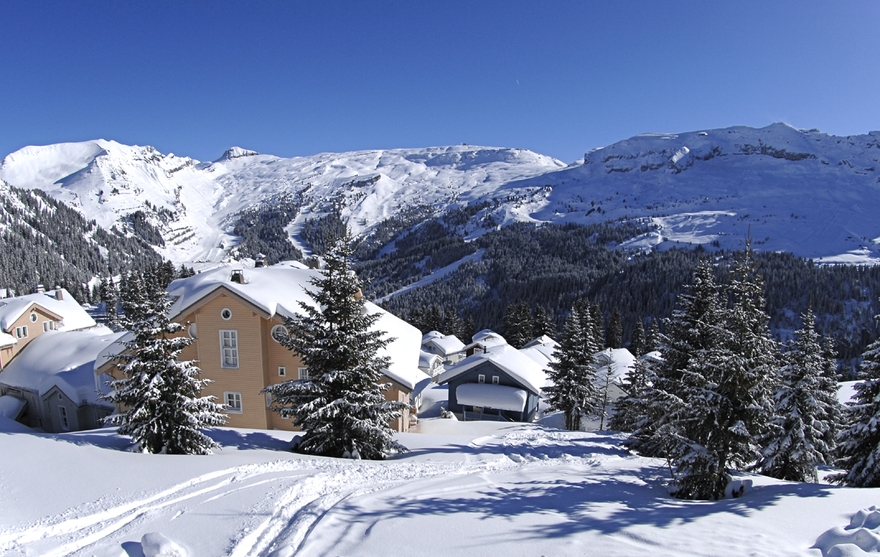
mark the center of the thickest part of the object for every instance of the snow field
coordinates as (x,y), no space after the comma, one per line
(475,488)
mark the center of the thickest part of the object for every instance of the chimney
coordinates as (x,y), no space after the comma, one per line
(259,261)
(40,289)
(237,276)
(59,294)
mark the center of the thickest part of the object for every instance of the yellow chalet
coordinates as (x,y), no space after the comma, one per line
(236,318)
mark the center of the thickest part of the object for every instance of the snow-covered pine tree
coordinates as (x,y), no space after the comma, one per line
(108,295)
(632,408)
(828,394)
(614,335)
(573,374)
(159,396)
(341,407)
(542,323)
(802,413)
(750,378)
(637,339)
(727,394)
(517,326)
(859,444)
(134,299)
(696,328)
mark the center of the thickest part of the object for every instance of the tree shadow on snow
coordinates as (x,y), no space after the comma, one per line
(248,440)
(603,502)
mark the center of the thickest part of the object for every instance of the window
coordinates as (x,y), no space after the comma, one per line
(282,371)
(226,314)
(279,333)
(33,317)
(21,332)
(193,331)
(229,348)
(232,401)
(65,424)
(268,400)
(481,378)
(49,326)
(494,379)
(303,373)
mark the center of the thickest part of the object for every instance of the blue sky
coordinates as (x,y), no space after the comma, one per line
(298,78)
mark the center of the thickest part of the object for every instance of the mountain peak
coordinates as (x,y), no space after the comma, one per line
(236,153)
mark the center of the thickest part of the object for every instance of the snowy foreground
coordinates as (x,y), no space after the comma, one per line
(464,489)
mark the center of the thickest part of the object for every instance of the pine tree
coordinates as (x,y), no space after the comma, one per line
(573,375)
(542,323)
(799,443)
(859,444)
(597,319)
(693,332)
(340,407)
(517,327)
(614,337)
(454,324)
(637,341)
(159,395)
(107,293)
(725,393)
(134,300)
(652,337)
(631,409)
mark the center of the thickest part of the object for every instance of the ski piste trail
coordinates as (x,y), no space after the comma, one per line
(296,495)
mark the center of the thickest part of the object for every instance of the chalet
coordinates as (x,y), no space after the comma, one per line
(496,381)
(236,318)
(48,345)
(55,382)
(430,364)
(24,318)
(447,347)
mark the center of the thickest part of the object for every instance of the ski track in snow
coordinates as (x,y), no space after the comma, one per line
(303,491)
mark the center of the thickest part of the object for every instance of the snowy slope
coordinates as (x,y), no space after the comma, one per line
(805,192)
(108,181)
(474,488)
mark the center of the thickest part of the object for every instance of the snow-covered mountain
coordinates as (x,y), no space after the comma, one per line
(194,205)
(806,192)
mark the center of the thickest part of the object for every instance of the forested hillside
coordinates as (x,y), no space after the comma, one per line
(551,267)
(44,241)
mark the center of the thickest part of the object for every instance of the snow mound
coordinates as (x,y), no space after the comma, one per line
(859,538)
(155,544)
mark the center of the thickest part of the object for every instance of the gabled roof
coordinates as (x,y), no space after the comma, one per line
(486,339)
(614,361)
(541,350)
(67,309)
(507,358)
(63,359)
(447,344)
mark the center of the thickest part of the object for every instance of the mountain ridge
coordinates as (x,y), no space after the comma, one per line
(801,191)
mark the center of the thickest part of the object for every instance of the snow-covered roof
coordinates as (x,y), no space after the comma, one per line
(6,339)
(279,290)
(499,397)
(486,339)
(73,316)
(428,360)
(518,365)
(60,358)
(617,361)
(447,344)
(541,350)
(10,406)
